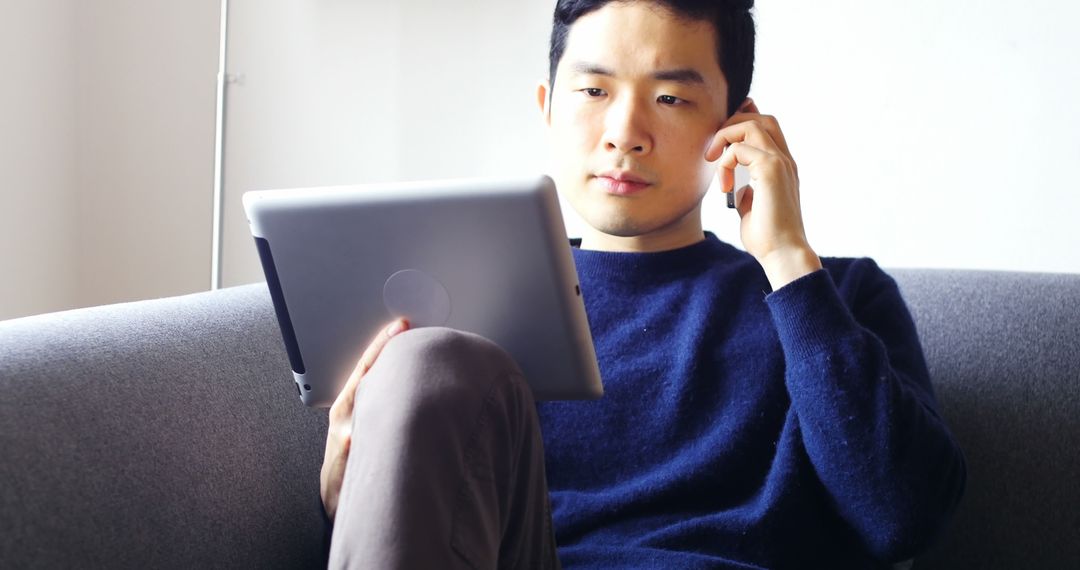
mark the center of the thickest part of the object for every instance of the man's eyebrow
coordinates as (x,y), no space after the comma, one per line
(688,76)
(586,68)
(683,75)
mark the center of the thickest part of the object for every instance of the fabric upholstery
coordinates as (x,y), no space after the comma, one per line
(167,433)
(158,434)
(1004,353)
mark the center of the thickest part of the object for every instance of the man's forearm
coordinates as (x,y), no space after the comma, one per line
(869,420)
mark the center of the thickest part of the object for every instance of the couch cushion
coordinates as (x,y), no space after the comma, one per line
(1004,354)
(115,423)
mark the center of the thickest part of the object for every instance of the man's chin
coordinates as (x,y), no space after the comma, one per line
(627,223)
(619,226)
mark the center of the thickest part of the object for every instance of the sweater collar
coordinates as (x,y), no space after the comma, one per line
(655,266)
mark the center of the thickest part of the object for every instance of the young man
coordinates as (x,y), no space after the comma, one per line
(766,408)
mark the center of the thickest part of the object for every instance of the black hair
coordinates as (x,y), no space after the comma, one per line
(731,20)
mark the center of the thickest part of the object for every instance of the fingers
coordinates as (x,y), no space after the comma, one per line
(744,200)
(767,123)
(733,155)
(376,347)
(761,131)
(333,473)
(343,404)
(367,360)
(339,436)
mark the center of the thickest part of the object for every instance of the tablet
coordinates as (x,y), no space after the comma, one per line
(489,257)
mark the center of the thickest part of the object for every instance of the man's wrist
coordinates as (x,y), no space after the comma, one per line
(786,265)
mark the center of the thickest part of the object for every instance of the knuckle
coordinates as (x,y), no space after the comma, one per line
(339,439)
(340,413)
(789,162)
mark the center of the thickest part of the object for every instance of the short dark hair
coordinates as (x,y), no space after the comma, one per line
(731,20)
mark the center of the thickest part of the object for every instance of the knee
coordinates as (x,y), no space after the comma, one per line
(423,371)
(450,348)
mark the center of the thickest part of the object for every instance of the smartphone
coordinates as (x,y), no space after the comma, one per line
(742,178)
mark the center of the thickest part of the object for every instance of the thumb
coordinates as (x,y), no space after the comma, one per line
(744,200)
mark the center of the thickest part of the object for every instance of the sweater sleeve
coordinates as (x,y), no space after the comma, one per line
(870,424)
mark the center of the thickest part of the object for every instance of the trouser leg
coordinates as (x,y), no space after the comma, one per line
(446,467)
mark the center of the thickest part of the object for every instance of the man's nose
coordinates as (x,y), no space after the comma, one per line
(625,128)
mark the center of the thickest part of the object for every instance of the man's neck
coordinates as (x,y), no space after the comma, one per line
(663,239)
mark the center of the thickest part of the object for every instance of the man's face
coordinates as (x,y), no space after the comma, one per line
(638,96)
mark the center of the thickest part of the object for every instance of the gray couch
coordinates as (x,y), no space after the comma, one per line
(168,434)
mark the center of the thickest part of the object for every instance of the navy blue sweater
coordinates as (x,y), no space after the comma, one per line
(741,428)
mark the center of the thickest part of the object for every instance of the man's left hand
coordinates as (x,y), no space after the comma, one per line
(772,225)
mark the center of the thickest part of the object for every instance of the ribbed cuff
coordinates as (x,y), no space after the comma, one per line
(809,315)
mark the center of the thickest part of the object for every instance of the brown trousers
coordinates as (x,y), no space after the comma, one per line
(446,468)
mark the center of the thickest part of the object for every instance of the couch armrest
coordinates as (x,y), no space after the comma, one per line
(157,434)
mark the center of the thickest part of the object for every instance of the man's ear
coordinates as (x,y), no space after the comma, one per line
(542,92)
(748,106)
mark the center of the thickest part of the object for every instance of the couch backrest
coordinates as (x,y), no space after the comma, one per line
(1004,354)
(114,426)
(114,422)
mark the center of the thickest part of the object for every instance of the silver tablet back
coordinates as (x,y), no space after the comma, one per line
(485,256)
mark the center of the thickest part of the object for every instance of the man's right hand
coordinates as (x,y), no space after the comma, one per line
(339,435)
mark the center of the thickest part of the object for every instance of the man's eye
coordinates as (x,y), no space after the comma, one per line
(593,92)
(669,100)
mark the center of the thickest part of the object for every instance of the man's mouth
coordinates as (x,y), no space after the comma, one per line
(622,182)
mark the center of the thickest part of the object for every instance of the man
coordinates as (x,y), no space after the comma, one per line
(766,408)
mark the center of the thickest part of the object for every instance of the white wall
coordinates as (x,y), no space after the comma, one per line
(940,134)
(351,92)
(145,106)
(36,123)
(313,105)
(927,134)
(106,151)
